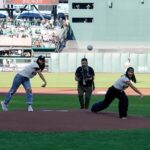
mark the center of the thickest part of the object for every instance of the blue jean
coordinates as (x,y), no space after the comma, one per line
(18,80)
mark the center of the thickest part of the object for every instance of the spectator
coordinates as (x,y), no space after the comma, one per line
(37,43)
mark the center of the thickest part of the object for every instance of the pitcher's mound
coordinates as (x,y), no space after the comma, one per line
(67,120)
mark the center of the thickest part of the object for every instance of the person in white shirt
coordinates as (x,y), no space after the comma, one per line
(117,91)
(23,77)
(127,64)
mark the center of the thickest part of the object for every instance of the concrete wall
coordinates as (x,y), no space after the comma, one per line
(127,20)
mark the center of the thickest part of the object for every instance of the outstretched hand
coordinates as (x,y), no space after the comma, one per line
(44,85)
(93,88)
(141,96)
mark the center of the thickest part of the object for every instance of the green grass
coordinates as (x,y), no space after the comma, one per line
(67,80)
(136,105)
(95,140)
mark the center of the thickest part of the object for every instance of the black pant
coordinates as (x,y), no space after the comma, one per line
(84,94)
(111,94)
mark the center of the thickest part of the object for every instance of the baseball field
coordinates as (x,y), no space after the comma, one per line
(58,123)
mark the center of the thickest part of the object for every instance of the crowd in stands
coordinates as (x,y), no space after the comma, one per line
(44,33)
(15,52)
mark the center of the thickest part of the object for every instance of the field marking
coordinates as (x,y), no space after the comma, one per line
(58,110)
(101,92)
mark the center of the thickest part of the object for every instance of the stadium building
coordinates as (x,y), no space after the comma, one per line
(122,23)
(114,31)
(117,30)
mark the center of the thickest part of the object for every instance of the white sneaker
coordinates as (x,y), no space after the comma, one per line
(30,109)
(4,106)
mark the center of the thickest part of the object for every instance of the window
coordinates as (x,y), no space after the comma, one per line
(82,20)
(82,5)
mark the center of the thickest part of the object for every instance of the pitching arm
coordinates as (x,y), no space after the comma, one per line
(42,77)
(135,89)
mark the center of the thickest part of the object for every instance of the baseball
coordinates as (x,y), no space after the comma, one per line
(90,47)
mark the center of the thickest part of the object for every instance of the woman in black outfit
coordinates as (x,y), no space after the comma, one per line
(117,91)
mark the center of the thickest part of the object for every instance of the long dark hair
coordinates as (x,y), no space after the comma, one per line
(133,78)
(42,66)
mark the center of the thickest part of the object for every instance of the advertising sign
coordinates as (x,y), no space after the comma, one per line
(32,2)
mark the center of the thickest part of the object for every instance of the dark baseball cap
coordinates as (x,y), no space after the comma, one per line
(41,58)
(130,69)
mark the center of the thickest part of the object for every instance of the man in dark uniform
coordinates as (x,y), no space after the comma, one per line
(84,75)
